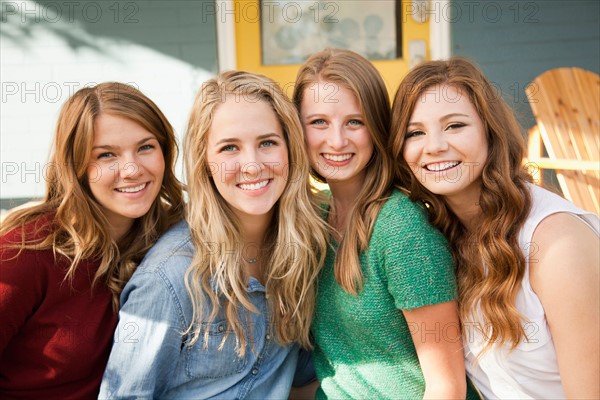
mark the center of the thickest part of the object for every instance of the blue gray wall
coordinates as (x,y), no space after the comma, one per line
(515,41)
(49,49)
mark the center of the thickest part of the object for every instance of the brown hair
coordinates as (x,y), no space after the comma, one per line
(490,264)
(79,229)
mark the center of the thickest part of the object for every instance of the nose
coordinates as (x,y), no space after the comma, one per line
(251,164)
(130,168)
(435,143)
(336,138)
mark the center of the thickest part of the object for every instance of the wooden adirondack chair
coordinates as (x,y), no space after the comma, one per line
(566,105)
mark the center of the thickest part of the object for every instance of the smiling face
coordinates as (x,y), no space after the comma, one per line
(339,143)
(125,171)
(446,145)
(248,156)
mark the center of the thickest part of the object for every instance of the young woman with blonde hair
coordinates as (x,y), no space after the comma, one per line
(111,192)
(386,323)
(527,260)
(221,303)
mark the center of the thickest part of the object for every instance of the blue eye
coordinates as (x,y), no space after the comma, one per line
(105,155)
(318,121)
(355,122)
(229,147)
(146,147)
(268,143)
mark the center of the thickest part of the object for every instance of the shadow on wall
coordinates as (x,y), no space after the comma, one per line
(181,29)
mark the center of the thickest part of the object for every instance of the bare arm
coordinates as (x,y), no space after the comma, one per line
(436,335)
(306,392)
(564,275)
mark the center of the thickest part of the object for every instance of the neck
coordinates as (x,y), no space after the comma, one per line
(466,207)
(118,231)
(254,229)
(344,198)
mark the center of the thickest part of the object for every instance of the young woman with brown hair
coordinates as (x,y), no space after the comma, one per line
(111,192)
(527,260)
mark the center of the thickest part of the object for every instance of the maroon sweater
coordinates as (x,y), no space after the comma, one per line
(55,337)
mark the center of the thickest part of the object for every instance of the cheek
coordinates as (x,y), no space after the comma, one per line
(159,167)
(312,139)
(99,174)
(279,161)
(220,169)
(409,153)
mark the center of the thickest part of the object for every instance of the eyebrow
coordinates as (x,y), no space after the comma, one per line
(109,147)
(445,117)
(324,115)
(260,137)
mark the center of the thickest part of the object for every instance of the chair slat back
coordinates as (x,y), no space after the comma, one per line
(566,105)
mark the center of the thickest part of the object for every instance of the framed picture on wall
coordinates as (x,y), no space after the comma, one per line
(292,30)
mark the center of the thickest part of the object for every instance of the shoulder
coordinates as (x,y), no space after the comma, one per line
(401,215)
(564,250)
(399,205)
(32,233)
(565,232)
(173,248)
(403,234)
(167,261)
(551,216)
(157,287)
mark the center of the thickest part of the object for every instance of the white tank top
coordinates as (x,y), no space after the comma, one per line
(530,371)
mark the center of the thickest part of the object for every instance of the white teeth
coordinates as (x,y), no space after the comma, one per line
(131,189)
(441,166)
(334,157)
(254,186)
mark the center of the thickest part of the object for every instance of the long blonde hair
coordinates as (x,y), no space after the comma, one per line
(297,235)
(490,263)
(77,227)
(358,75)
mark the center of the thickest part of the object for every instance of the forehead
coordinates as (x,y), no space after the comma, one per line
(443,99)
(239,117)
(328,94)
(110,125)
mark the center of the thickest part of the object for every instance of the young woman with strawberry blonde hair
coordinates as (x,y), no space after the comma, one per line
(527,259)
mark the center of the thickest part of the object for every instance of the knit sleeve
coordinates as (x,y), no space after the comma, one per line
(416,257)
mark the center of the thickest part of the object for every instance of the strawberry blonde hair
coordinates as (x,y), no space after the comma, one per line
(77,227)
(357,74)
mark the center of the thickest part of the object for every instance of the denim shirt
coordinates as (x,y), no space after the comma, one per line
(152,358)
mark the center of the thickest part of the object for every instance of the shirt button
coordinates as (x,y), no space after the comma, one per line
(220,328)
(254,371)
(268,337)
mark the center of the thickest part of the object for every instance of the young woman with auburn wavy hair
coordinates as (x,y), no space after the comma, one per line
(111,191)
(224,299)
(388,276)
(530,321)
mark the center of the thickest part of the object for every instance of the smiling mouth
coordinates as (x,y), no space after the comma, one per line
(336,157)
(443,166)
(254,186)
(132,189)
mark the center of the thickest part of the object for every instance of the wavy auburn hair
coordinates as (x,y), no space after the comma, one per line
(355,73)
(490,263)
(77,226)
(297,237)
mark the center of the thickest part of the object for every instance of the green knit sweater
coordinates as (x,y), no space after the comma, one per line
(363,344)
